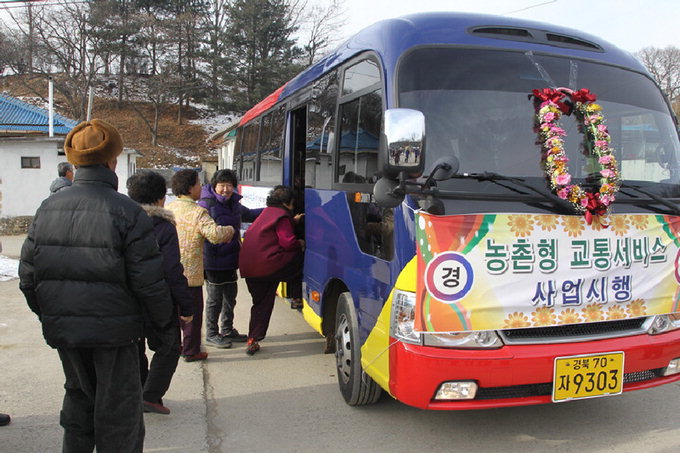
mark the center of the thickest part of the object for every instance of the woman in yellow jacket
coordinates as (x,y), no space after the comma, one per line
(194,226)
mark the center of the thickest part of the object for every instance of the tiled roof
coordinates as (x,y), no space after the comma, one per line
(16,115)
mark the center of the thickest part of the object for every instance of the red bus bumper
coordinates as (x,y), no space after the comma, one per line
(518,375)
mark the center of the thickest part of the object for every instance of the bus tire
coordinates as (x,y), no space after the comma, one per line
(357,387)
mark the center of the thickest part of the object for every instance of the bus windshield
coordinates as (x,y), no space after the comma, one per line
(477,108)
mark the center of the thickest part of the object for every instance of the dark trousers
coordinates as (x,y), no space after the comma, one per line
(103,401)
(191,331)
(157,377)
(219,308)
(263,292)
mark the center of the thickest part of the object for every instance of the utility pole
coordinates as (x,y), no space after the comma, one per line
(29,8)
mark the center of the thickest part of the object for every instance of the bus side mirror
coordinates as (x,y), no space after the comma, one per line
(403,143)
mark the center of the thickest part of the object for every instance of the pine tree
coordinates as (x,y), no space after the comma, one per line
(213,55)
(261,48)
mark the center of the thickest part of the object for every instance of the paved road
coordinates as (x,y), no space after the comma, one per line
(285,399)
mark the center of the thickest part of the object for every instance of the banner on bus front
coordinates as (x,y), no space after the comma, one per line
(489,272)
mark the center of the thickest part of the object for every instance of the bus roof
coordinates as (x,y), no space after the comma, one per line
(390,38)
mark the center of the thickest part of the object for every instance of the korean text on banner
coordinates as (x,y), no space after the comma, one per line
(488,272)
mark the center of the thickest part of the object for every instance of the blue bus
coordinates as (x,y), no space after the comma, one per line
(491,211)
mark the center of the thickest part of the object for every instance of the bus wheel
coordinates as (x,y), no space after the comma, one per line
(356,387)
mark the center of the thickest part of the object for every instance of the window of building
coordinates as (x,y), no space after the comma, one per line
(30,162)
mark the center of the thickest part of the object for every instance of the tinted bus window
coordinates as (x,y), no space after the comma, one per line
(271,145)
(238,152)
(249,151)
(321,132)
(361,75)
(489,122)
(359,136)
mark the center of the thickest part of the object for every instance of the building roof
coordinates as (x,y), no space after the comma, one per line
(225,133)
(22,118)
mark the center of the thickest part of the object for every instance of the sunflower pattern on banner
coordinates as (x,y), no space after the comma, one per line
(489,272)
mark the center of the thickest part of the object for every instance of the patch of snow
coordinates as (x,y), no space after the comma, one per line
(9,269)
(213,123)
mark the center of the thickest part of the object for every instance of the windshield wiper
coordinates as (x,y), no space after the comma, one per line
(672,206)
(496,178)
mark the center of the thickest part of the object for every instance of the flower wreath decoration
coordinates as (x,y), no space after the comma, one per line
(550,104)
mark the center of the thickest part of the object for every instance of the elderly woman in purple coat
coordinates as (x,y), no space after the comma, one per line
(221,260)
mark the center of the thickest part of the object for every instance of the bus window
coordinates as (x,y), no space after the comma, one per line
(359,136)
(360,121)
(238,156)
(321,132)
(361,75)
(373,226)
(647,151)
(271,145)
(249,151)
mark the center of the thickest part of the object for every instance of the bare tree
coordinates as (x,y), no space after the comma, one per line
(320,27)
(156,92)
(664,65)
(63,48)
(23,35)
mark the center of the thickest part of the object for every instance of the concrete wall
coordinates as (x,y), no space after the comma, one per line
(225,155)
(23,189)
(126,167)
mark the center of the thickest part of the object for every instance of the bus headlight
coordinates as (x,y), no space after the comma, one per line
(402,326)
(664,323)
(472,340)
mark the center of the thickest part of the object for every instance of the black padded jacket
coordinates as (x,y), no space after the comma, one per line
(90,265)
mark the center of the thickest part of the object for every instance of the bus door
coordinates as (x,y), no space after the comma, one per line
(298,141)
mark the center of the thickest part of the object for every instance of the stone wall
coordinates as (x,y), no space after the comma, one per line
(10,226)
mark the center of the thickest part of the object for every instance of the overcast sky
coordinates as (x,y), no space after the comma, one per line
(630,24)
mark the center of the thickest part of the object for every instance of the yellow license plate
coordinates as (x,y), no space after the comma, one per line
(587,376)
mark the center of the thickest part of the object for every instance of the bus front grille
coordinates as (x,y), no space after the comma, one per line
(576,332)
(544,389)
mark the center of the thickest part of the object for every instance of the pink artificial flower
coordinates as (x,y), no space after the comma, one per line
(606,173)
(604,160)
(601,143)
(557,130)
(584,202)
(563,179)
(563,193)
(602,128)
(606,199)
(550,116)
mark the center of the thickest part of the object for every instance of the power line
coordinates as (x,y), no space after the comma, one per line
(21,1)
(531,7)
(25,3)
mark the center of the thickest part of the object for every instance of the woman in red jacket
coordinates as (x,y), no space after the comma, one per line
(271,254)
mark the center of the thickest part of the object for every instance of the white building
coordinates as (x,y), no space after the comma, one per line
(29,156)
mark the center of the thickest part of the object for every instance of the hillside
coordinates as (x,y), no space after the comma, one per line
(178,144)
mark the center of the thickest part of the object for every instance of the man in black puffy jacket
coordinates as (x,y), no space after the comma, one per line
(89,267)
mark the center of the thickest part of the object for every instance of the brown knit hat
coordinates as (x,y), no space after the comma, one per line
(92,142)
